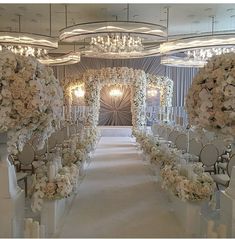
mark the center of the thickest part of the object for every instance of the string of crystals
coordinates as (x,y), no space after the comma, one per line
(204,54)
(25,50)
(117,43)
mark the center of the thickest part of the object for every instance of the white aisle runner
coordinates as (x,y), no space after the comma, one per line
(119,198)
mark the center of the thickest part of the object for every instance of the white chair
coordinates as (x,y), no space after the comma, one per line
(26,158)
(72,129)
(220,144)
(224,179)
(52,141)
(181,142)
(154,129)
(209,156)
(173,135)
(195,147)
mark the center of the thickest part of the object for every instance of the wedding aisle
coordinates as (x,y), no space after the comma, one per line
(119,197)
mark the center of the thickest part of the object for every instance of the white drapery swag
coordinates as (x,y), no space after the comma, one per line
(115,110)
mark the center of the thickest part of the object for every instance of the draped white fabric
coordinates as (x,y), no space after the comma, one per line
(115,110)
(182,77)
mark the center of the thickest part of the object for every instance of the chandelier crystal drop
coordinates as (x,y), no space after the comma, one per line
(117,43)
(26,50)
(204,54)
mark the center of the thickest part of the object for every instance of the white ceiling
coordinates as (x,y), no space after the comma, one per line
(183,18)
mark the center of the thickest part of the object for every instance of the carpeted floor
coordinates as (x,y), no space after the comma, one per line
(119,197)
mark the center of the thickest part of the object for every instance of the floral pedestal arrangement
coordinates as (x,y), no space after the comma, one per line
(227,206)
(52,214)
(11,196)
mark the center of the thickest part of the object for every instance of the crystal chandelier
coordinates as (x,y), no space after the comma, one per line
(116,43)
(26,50)
(205,54)
(152,92)
(115,92)
(79,92)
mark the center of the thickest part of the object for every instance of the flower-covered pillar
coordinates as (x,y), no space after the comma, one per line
(30,104)
(138,104)
(92,100)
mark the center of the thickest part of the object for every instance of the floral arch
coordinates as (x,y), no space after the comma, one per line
(94,80)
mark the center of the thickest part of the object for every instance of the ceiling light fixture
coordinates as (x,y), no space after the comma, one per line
(116,39)
(197,49)
(116,92)
(67,59)
(79,92)
(27,43)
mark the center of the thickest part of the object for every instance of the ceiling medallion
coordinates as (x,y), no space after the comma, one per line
(116,39)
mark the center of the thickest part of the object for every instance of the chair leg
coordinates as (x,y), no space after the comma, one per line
(26,186)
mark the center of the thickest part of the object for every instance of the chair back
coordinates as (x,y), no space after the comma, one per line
(220,145)
(181,142)
(230,165)
(52,140)
(173,135)
(26,157)
(154,129)
(195,147)
(60,137)
(37,151)
(72,129)
(209,155)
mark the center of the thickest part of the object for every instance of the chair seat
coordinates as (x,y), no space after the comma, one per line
(223,165)
(221,179)
(20,176)
(209,168)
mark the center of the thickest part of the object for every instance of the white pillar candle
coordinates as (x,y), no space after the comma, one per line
(51,173)
(28,228)
(222,231)
(36,230)
(42,231)
(210,226)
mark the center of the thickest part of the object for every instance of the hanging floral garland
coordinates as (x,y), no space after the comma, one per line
(30,99)
(165,85)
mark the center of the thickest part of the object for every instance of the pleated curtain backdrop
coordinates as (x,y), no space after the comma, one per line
(115,110)
(182,77)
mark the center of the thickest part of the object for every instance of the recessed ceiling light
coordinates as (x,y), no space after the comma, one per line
(208,9)
(230,9)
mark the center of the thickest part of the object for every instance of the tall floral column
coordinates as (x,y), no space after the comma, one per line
(138,96)
(92,100)
(30,104)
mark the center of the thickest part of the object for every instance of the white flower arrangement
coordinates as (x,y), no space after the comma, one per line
(30,99)
(210,102)
(62,186)
(201,187)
